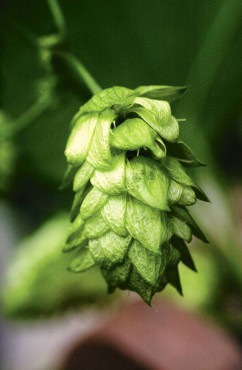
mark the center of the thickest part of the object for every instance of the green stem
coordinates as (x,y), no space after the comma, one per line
(58,17)
(72,64)
(69,61)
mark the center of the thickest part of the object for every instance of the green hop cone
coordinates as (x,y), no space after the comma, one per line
(129,213)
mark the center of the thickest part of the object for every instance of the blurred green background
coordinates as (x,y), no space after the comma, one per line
(125,43)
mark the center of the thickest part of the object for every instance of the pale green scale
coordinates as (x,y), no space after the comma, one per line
(160,108)
(134,134)
(117,276)
(188,196)
(158,116)
(110,249)
(181,229)
(93,201)
(183,214)
(111,181)
(99,154)
(108,98)
(78,199)
(147,263)
(83,261)
(166,227)
(160,92)
(80,139)
(95,226)
(83,175)
(181,194)
(144,224)
(177,172)
(77,239)
(114,213)
(76,235)
(147,182)
(175,192)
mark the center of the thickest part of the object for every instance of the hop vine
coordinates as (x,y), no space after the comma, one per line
(128,168)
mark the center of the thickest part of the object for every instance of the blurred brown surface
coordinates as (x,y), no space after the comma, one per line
(160,338)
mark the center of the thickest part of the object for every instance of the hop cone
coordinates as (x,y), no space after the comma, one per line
(129,213)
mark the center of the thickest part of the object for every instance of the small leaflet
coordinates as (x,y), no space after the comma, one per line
(76,226)
(147,182)
(80,195)
(174,279)
(95,226)
(146,225)
(183,154)
(170,131)
(157,114)
(117,276)
(110,249)
(141,286)
(188,196)
(83,175)
(93,201)
(181,194)
(111,181)
(114,213)
(80,139)
(181,229)
(134,134)
(200,194)
(76,236)
(147,263)
(177,172)
(173,255)
(160,108)
(168,93)
(68,176)
(99,154)
(186,257)
(175,192)
(83,261)
(114,96)
(184,215)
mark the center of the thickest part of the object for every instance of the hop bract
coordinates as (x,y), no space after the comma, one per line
(129,213)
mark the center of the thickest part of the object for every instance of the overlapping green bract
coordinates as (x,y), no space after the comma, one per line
(129,214)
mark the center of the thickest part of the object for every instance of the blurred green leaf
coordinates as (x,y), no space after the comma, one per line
(38,283)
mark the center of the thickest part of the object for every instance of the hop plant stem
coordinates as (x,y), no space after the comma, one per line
(80,72)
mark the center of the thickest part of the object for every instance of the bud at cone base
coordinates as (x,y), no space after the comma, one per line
(129,213)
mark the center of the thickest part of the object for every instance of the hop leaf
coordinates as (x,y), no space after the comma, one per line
(129,214)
